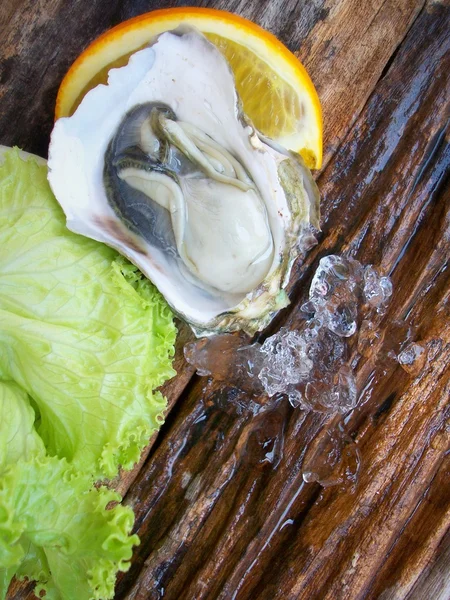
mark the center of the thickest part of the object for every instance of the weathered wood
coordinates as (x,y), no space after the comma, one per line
(217,545)
(345,54)
(404,567)
(221,506)
(434,582)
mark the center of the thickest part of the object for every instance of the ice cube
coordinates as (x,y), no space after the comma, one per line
(377,289)
(413,358)
(332,392)
(345,385)
(227,358)
(295,398)
(335,294)
(341,318)
(214,355)
(285,361)
(332,458)
(310,366)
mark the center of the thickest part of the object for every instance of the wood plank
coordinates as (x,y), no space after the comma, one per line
(434,581)
(232,536)
(402,575)
(346,52)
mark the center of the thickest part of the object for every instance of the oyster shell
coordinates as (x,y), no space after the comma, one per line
(163,165)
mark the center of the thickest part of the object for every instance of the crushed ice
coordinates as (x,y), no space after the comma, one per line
(312,365)
(309,365)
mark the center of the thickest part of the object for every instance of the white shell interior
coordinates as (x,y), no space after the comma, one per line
(191,76)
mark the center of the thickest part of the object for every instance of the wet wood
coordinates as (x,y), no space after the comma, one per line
(221,505)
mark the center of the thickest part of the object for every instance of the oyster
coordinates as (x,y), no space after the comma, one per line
(163,165)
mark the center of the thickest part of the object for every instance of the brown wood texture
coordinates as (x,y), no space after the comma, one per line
(217,519)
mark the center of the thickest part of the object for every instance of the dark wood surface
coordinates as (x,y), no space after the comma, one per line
(215,517)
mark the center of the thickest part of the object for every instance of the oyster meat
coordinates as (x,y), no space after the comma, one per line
(163,165)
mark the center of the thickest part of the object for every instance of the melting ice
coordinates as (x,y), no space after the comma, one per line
(309,365)
(312,365)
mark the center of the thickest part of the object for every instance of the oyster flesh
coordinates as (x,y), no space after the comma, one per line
(163,165)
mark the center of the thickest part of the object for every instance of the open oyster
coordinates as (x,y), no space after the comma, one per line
(163,165)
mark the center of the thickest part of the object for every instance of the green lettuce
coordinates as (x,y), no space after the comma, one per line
(81,331)
(84,342)
(18,437)
(54,525)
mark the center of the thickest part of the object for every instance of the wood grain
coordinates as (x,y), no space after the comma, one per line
(346,53)
(221,505)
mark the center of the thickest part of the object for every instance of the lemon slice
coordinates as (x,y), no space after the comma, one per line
(276,91)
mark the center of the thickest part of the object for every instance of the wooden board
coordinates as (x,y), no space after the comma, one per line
(215,517)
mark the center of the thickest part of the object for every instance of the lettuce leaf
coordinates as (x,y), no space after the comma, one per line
(81,331)
(55,529)
(18,437)
(54,525)
(84,341)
